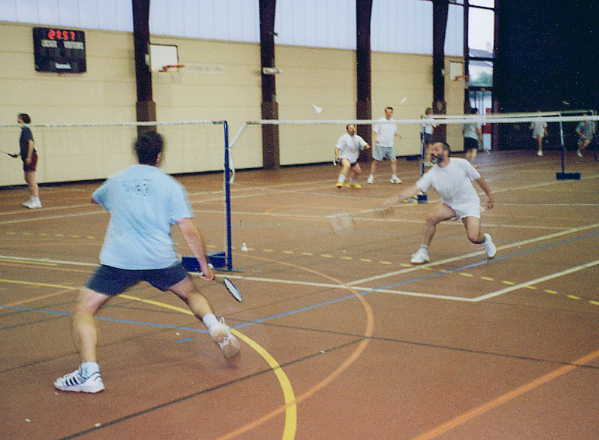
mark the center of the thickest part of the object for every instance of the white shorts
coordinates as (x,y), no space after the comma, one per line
(465,209)
(381,153)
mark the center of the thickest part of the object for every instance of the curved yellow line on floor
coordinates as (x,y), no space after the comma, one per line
(290,426)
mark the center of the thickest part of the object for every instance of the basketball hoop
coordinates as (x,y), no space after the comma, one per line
(174,71)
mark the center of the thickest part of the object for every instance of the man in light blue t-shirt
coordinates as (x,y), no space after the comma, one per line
(143,202)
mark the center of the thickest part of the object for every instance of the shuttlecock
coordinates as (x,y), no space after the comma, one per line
(244,247)
(317,109)
(403,100)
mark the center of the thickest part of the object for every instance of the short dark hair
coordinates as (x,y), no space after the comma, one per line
(24,117)
(446,147)
(148,146)
(347,126)
(389,108)
(473,110)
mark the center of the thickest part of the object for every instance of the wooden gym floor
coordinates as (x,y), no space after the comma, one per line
(342,337)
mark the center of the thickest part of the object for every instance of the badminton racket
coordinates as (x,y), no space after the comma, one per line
(191,264)
(13,155)
(344,222)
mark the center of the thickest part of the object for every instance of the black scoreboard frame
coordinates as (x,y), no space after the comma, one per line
(59,50)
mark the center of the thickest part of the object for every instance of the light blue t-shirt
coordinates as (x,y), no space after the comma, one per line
(143,202)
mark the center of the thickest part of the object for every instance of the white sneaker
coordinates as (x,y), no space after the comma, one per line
(420,256)
(32,203)
(395,179)
(579,153)
(370,179)
(489,246)
(75,382)
(221,335)
(539,153)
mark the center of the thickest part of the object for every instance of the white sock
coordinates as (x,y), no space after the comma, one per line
(210,320)
(89,368)
(341,178)
(393,176)
(424,246)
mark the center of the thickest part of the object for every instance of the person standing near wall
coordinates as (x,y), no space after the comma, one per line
(29,157)
(384,146)
(585,131)
(473,136)
(426,135)
(539,131)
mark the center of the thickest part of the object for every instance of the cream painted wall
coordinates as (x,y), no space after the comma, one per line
(325,78)
(196,92)
(106,93)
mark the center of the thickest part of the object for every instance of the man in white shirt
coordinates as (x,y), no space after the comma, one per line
(452,179)
(347,152)
(539,131)
(384,146)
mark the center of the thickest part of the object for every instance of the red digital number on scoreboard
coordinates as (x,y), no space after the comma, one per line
(55,34)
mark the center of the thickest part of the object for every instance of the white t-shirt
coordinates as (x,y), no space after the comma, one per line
(453,182)
(538,128)
(385,133)
(470,130)
(350,146)
(428,125)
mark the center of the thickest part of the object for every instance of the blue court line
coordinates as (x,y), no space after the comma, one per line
(321,304)
(105,318)
(409,281)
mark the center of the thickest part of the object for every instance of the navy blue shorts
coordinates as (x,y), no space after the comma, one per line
(112,280)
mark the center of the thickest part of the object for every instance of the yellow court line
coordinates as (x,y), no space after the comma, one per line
(290,426)
(504,398)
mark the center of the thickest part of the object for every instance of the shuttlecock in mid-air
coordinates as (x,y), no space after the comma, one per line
(403,100)
(317,109)
(244,247)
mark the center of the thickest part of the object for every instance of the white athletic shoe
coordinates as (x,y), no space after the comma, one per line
(32,203)
(395,179)
(370,179)
(420,256)
(489,246)
(579,153)
(75,382)
(539,153)
(221,335)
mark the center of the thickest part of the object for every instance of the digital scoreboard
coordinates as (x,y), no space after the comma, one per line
(59,50)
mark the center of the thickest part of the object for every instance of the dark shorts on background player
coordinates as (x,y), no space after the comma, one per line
(112,280)
(33,164)
(470,144)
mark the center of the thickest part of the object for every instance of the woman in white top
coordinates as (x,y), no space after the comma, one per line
(539,131)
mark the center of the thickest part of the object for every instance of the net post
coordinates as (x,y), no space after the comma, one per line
(563,175)
(229,254)
(422,198)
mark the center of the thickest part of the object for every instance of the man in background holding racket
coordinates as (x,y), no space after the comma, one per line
(144,202)
(347,152)
(29,157)
(452,179)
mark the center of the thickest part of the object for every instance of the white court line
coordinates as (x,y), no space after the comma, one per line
(258,279)
(536,281)
(472,254)
(346,286)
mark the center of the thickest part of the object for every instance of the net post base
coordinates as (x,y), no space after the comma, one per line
(216,259)
(567,176)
